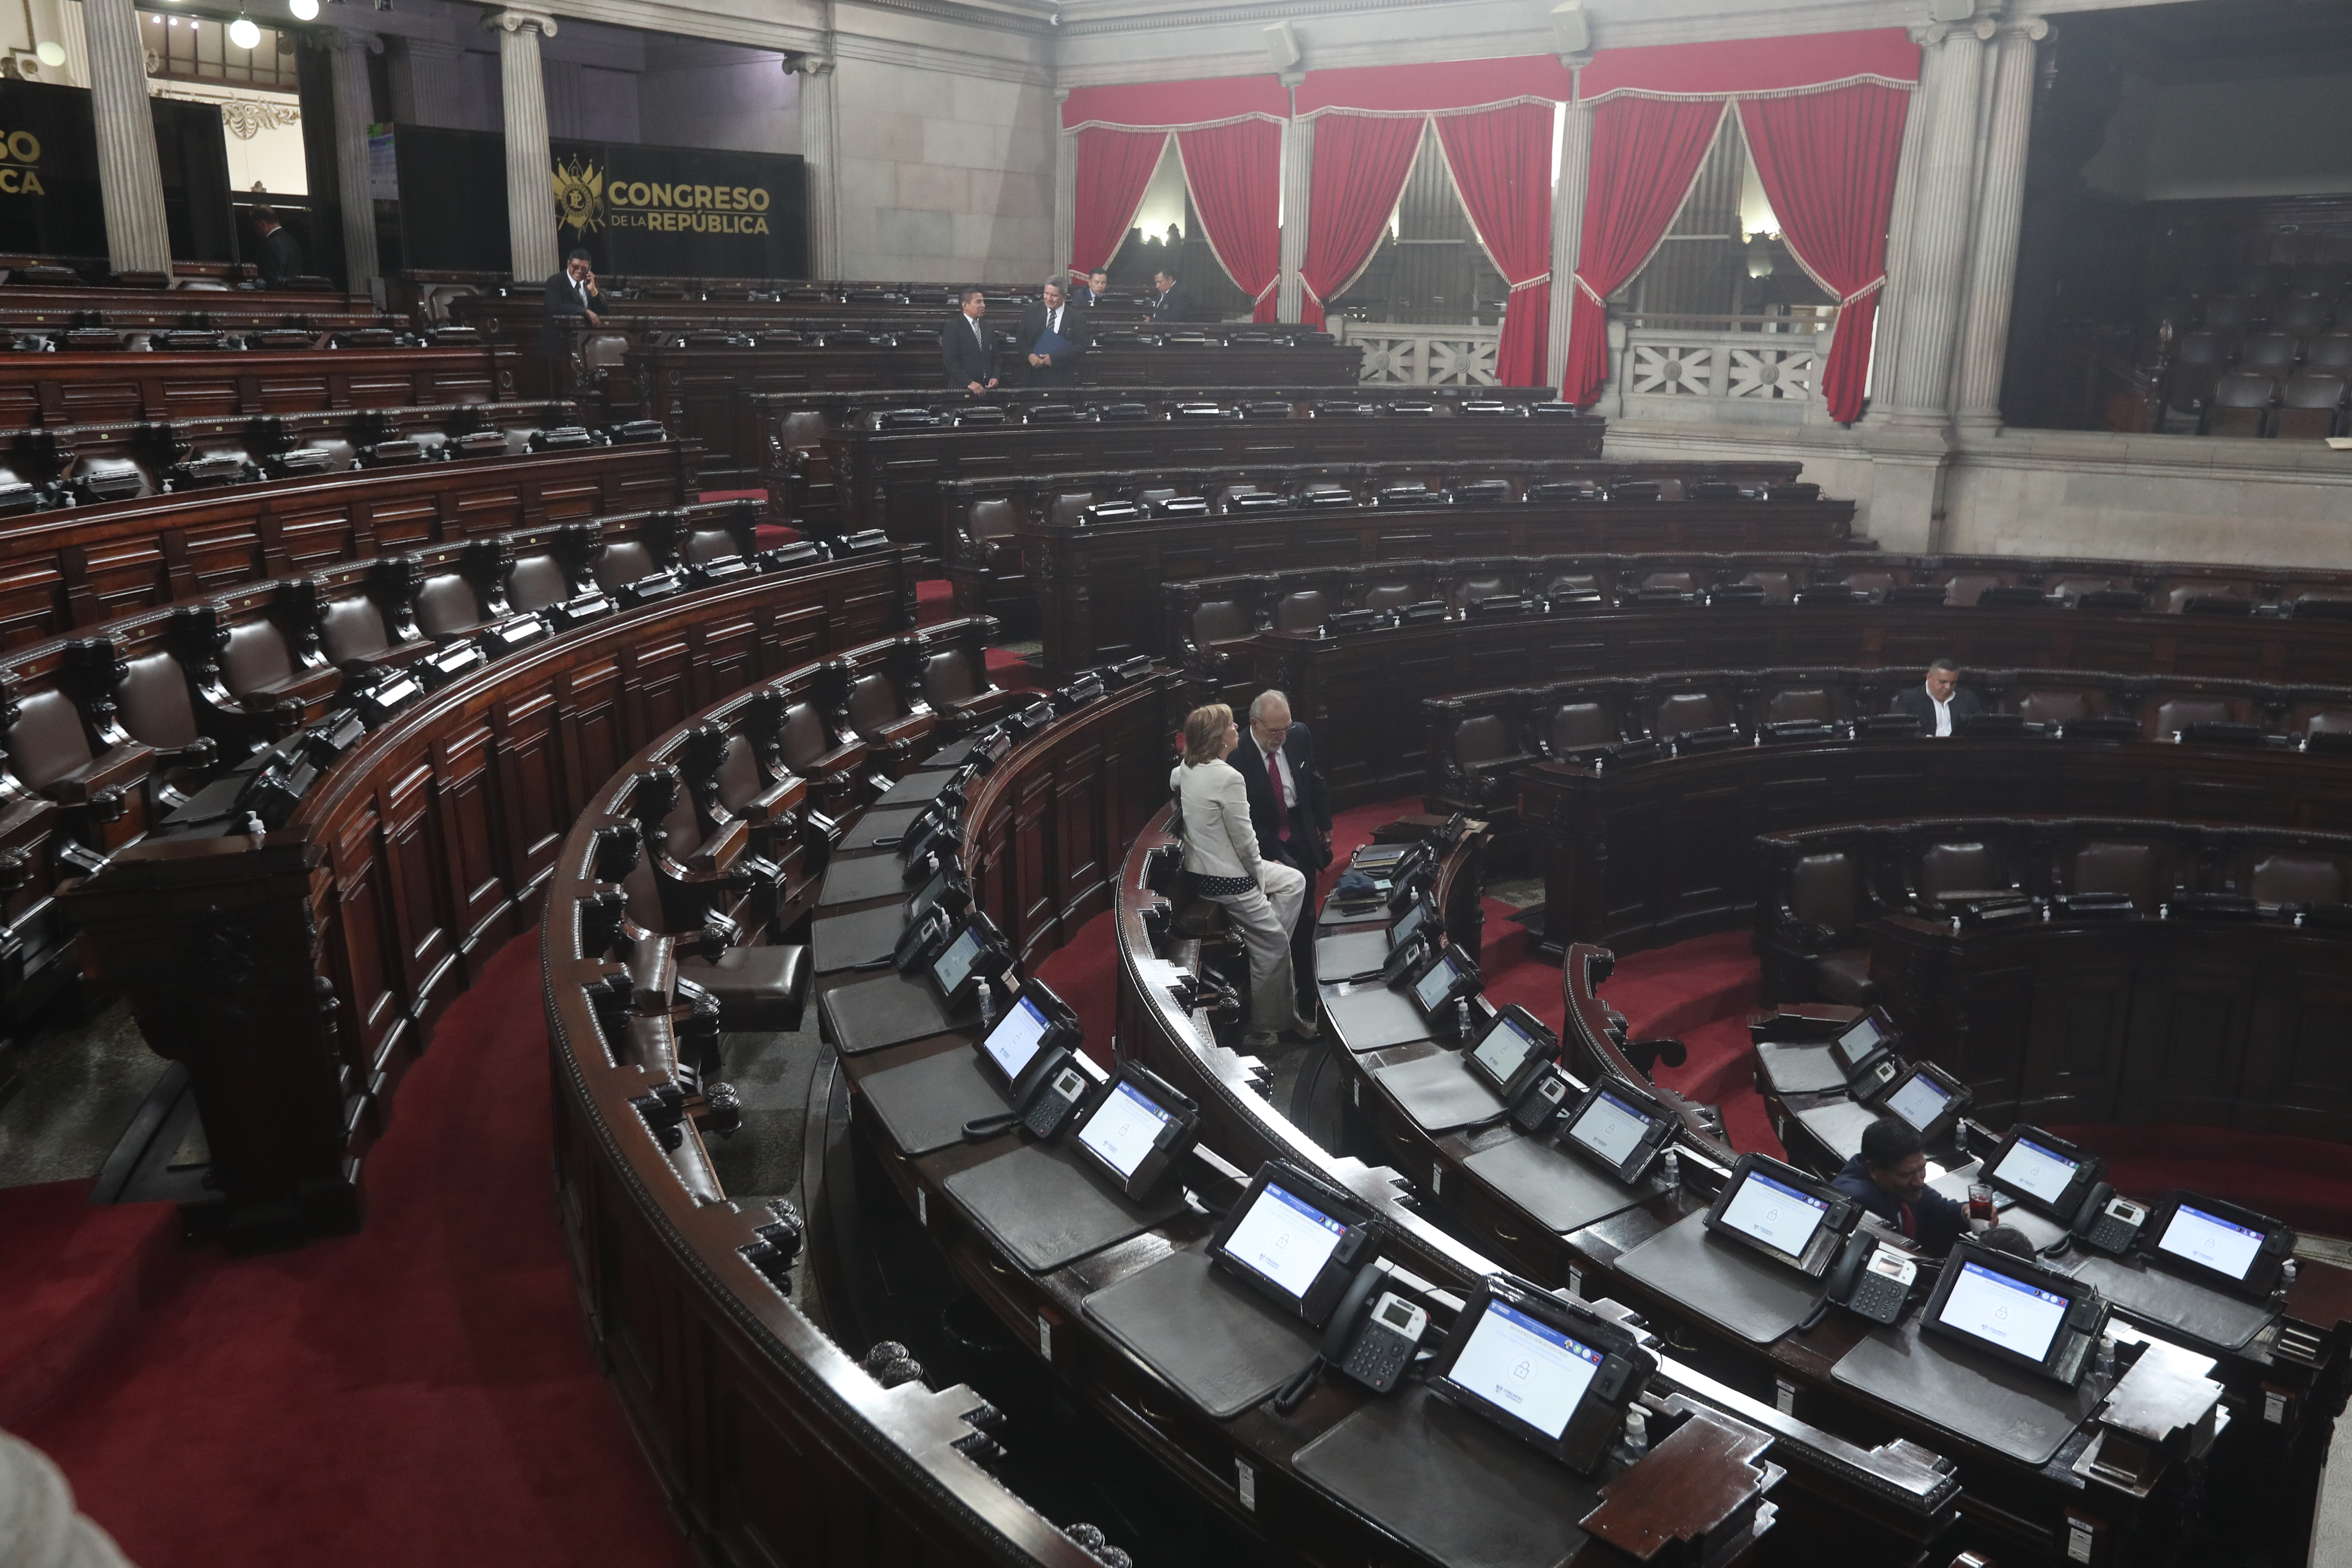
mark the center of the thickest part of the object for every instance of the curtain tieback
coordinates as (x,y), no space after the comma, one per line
(1578,279)
(1542,278)
(1867,290)
(1268,289)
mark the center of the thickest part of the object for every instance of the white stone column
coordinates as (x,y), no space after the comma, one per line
(2000,210)
(1936,260)
(130,180)
(1568,230)
(1066,190)
(531,180)
(354,194)
(821,161)
(1298,184)
(1887,341)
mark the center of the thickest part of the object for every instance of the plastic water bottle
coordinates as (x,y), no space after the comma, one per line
(1637,1431)
(1673,1164)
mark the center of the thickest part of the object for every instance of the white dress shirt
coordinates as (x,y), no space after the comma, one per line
(1943,711)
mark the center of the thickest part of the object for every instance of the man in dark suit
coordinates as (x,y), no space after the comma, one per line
(1940,701)
(571,296)
(1054,315)
(1889,1178)
(281,256)
(1089,293)
(1170,305)
(967,352)
(1291,810)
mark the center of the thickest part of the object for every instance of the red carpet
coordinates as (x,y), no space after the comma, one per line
(934,601)
(2304,1181)
(418,1393)
(73,1278)
(1012,672)
(1084,973)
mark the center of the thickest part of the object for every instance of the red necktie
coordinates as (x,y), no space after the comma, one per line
(1910,1226)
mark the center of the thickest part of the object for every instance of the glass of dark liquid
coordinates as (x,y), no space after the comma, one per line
(1981,1211)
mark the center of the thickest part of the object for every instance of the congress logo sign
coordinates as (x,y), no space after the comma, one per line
(580,196)
(20,159)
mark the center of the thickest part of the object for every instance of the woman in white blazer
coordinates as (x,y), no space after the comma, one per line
(1262,897)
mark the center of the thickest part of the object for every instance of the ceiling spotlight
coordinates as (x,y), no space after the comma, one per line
(304,10)
(243,33)
(51,52)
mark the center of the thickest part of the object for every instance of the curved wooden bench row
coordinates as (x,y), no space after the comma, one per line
(2217,996)
(1361,689)
(2006,1509)
(96,465)
(669,1259)
(296,976)
(889,477)
(1653,851)
(1478,741)
(1100,582)
(80,388)
(64,570)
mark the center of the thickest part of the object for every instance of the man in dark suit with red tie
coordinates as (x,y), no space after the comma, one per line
(1889,1178)
(966,353)
(1291,811)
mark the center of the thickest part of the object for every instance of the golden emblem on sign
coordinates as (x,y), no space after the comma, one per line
(580,195)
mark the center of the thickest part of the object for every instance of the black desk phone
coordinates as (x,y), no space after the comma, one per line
(1870,1280)
(1026,1057)
(1370,1338)
(1514,1058)
(2108,1222)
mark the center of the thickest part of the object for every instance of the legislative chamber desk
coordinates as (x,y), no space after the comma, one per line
(1362,691)
(1117,1301)
(773,1445)
(1648,853)
(2029,1509)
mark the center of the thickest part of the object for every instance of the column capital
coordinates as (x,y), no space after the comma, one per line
(355,38)
(1061,95)
(512,21)
(802,63)
(2032,28)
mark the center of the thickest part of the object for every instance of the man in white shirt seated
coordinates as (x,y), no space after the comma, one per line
(1940,701)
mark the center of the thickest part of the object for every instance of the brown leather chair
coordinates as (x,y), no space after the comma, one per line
(2105,866)
(2175,715)
(1301,610)
(2329,350)
(1822,911)
(959,694)
(806,744)
(352,630)
(2304,315)
(449,607)
(2270,353)
(2242,403)
(2197,366)
(1670,583)
(1473,586)
(2297,880)
(1870,582)
(263,669)
(1392,595)
(1571,583)
(1947,870)
(48,749)
(1799,705)
(1780,587)
(1572,727)
(1069,507)
(1685,712)
(2312,407)
(2184,597)
(2051,707)
(1964,590)
(538,581)
(2329,721)
(883,720)
(2233,313)
(1221,620)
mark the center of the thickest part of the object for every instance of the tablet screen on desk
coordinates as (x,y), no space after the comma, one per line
(2040,1173)
(1124,1127)
(2210,1241)
(1527,1369)
(2010,1313)
(1014,1039)
(1284,1239)
(1919,1101)
(1433,986)
(1506,1048)
(1857,1041)
(1780,1217)
(957,961)
(1406,928)
(1610,1128)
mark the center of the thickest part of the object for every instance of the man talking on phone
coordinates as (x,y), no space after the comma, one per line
(571,297)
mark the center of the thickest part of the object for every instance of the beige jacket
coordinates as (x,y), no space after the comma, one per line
(1220,844)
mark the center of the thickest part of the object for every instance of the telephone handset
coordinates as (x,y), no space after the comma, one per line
(922,940)
(2108,1222)
(1868,1281)
(1370,1338)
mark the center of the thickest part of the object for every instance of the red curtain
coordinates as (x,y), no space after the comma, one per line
(1827,161)
(1361,164)
(1114,168)
(1236,176)
(1501,162)
(1645,153)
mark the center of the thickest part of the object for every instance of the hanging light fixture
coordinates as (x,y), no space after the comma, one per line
(304,10)
(243,33)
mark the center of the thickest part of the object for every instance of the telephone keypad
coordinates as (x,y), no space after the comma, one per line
(1378,1359)
(1878,1297)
